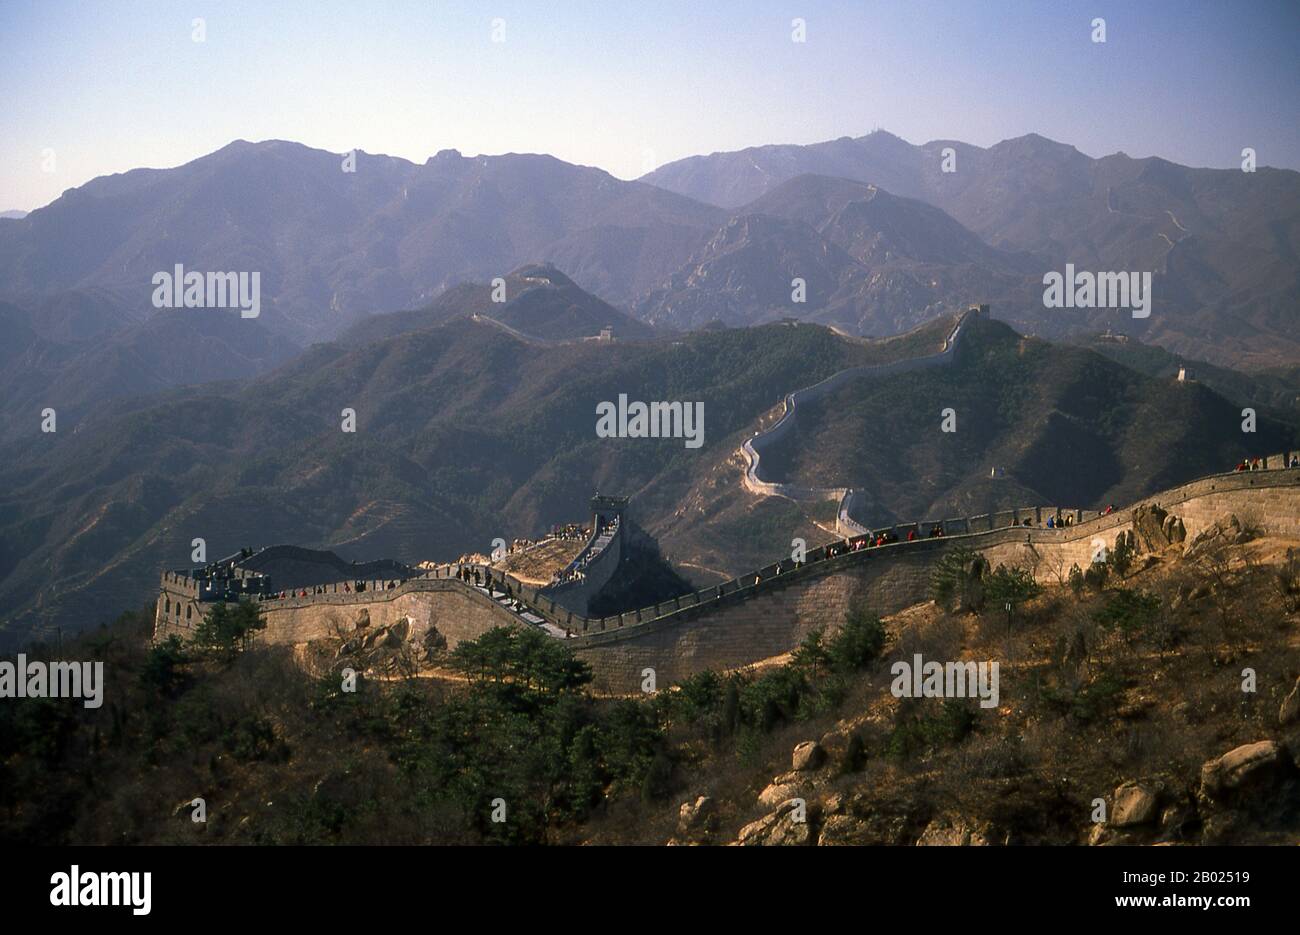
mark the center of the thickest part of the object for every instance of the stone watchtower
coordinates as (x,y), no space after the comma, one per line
(605,508)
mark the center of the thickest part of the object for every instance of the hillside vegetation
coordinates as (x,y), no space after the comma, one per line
(1128,687)
(1067,427)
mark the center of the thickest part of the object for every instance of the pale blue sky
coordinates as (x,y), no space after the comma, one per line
(109,86)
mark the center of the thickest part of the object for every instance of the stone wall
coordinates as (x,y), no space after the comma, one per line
(575,596)
(738,623)
(457,611)
(766,612)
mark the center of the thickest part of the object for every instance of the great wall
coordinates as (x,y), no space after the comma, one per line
(845,524)
(758,615)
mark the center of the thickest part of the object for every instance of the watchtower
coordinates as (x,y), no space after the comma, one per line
(605,508)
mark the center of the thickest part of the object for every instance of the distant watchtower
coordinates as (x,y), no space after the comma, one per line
(604,508)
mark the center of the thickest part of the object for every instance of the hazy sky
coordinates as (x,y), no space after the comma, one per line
(109,86)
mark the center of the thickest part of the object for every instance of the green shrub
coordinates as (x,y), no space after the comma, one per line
(1076,581)
(956,583)
(163,670)
(915,734)
(1121,557)
(1129,612)
(1096,575)
(1012,586)
(772,698)
(229,628)
(1087,702)
(857,643)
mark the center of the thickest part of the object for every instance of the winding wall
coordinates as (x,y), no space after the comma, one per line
(753,447)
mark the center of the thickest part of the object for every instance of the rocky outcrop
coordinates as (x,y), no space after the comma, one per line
(385,649)
(1242,769)
(1149,528)
(787,826)
(786,786)
(1135,804)
(696,820)
(807,756)
(1173,529)
(1251,788)
(951,831)
(1224,531)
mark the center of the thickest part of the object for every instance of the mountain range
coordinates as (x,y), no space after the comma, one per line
(468,428)
(1221,242)
(881,235)
(456,307)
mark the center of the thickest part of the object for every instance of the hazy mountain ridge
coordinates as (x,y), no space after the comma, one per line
(334,246)
(871,263)
(74,352)
(1220,242)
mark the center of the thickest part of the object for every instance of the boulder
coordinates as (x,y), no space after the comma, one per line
(833,804)
(781,828)
(401,630)
(1226,530)
(807,756)
(1243,766)
(1290,710)
(1173,529)
(783,787)
(840,830)
(1149,528)
(434,642)
(953,832)
(695,816)
(1135,804)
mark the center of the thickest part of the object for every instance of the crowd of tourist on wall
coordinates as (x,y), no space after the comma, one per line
(575,570)
(1257,464)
